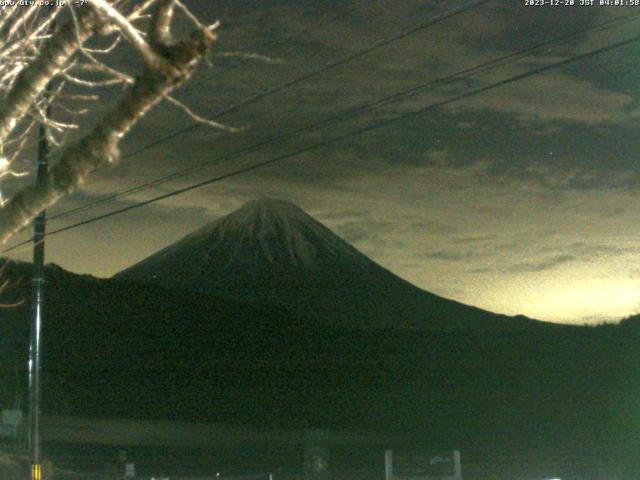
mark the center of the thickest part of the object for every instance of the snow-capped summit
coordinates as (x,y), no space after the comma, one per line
(271,250)
(268,241)
(272,231)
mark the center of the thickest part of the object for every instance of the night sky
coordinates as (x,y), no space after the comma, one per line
(520,200)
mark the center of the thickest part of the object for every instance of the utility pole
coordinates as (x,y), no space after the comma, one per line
(37,301)
(37,314)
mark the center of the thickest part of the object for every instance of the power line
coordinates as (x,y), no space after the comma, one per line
(307,76)
(338,138)
(459,75)
(202,81)
(274,44)
(284,86)
(381,43)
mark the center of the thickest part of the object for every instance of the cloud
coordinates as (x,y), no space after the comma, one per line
(477,239)
(454,256)
(451,255)
(438,158)
(356,231)
(590,251)
(552,97)
(556,95)
(547,263)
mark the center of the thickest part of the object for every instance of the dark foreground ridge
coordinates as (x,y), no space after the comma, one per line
(124,348)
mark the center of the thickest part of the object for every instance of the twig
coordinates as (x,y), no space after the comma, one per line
(200,119)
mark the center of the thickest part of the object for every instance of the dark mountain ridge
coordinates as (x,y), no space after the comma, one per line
(118,348)
(125,347)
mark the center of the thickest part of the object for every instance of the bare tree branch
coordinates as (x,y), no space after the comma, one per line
(101,146)
(32,81)
(149,56)
(250,56)
(197,118)
(161,24)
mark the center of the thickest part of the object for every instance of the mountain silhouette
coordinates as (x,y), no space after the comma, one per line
(272,251)
(129,348)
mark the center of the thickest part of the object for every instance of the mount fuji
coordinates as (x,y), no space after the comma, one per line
(271,251)
(317,336)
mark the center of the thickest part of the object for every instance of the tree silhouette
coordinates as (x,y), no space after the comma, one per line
(51,55)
